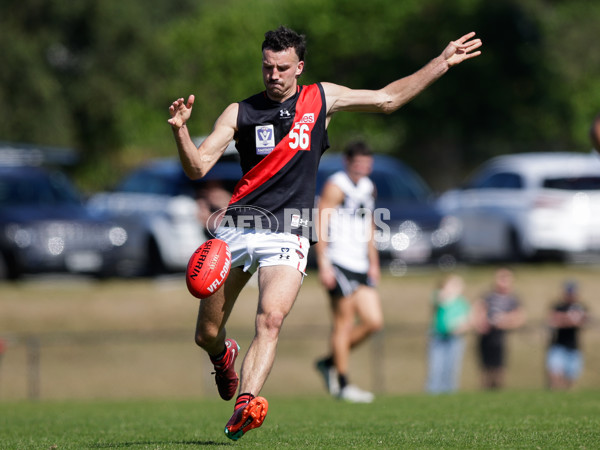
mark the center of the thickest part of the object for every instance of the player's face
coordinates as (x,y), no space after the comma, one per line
(280,73)
(359,166)
(504,281)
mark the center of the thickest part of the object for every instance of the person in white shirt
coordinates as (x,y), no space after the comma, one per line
(349,267)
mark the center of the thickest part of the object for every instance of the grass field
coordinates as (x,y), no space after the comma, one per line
(468,420)
(113,365)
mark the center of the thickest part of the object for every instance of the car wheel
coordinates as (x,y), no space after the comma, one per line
(515,250)
(3,268)
(154,264)
(8,267)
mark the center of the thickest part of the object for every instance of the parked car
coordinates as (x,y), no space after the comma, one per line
(409,227)
(526,205)
(159,202)
(45,227)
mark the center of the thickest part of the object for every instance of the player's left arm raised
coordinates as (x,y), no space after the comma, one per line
(400,92)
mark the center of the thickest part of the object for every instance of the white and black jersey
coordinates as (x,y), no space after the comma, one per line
(351,224)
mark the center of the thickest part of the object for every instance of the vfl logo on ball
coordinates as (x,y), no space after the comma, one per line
(241,216)
(208,268)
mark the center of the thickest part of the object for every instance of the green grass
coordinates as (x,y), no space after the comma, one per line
(512,419)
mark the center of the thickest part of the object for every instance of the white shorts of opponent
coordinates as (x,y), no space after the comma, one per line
(251,248)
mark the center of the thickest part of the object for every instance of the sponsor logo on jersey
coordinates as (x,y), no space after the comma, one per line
(308,118)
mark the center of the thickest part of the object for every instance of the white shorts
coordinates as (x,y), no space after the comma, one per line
(251,249)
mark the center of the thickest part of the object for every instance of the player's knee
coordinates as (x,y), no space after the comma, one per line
(204,338)
(270,323)
(377,325)
(374,324)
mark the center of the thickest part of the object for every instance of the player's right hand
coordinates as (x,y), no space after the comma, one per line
(180,111)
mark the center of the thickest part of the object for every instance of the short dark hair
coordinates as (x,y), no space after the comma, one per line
(283,38)
(357,148)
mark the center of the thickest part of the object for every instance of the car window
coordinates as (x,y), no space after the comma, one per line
(498,180)
(573,183)
(148,183)
(390,187)
(37,190)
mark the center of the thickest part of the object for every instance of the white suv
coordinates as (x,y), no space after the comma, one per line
(524,205)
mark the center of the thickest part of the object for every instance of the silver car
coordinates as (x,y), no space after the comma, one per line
(526,205)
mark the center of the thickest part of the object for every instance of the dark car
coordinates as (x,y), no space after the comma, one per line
(409,227)
(161,207)
(44,227)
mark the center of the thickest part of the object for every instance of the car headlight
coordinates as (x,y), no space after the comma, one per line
(400,241)
(410,229)
(56,245)
(117,236)
(448,232)
(21,236)
(408,232)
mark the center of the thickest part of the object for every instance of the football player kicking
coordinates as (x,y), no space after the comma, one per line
(280,134)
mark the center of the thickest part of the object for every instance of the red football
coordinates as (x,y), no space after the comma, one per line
(208,268)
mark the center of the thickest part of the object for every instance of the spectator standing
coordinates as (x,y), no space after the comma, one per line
(497,312)
(450,320)
(564,361)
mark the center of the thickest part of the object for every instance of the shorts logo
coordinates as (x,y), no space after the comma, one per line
(298,221)
(265,139)
(300,254)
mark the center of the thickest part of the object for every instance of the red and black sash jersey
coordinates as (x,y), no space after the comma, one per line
(280,146)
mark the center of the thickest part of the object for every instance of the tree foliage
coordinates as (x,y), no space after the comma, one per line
(99,75)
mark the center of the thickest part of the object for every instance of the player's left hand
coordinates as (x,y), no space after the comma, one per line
(462,49)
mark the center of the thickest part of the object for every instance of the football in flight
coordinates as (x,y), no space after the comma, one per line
(208,268)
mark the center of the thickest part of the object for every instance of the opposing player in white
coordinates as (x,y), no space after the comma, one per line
(349,267)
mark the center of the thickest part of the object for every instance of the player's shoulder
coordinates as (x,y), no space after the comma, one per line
(253,99)
(340,179)
(332,88)
(337,176)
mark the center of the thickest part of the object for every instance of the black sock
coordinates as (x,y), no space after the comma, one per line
(328,361)
(219,357)
(343,380)
(242,400)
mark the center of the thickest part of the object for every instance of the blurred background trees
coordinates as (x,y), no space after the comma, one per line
(98,76)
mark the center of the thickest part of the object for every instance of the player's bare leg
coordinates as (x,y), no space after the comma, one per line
(215,310)
(343,323)
(213,313)
(368,309)
(279,286)
(347,334)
